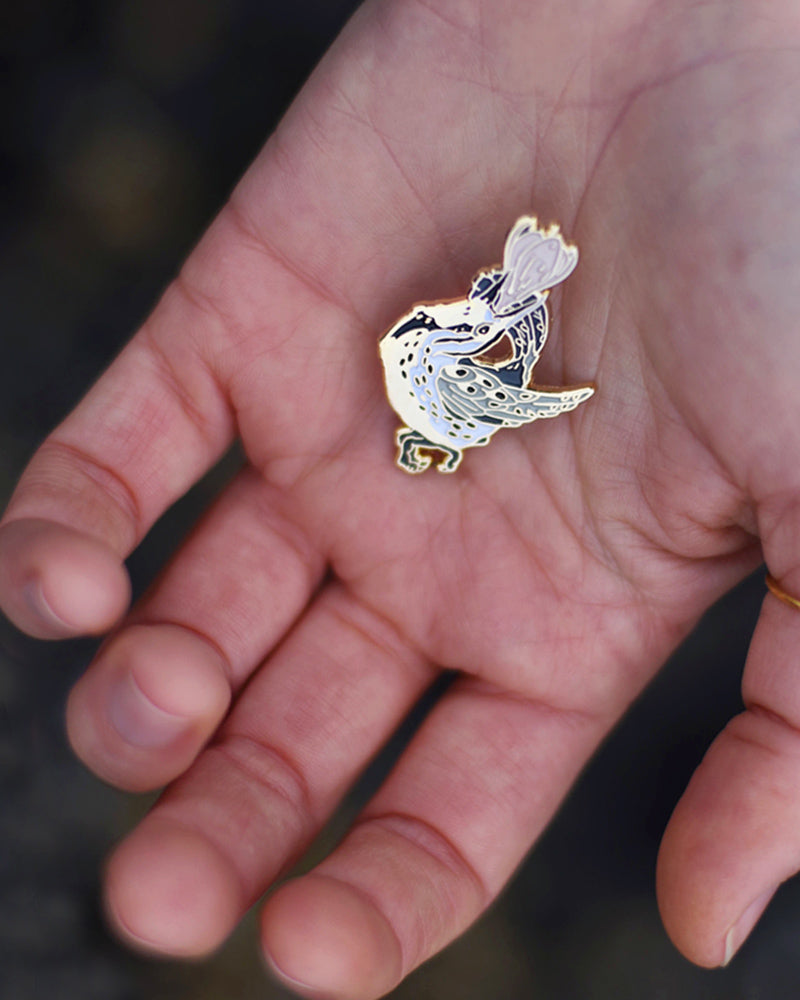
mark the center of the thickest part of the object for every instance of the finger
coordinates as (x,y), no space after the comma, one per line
(154,422)
(302,730)
(159,688)
(56,582)
(735,834)
(477,785)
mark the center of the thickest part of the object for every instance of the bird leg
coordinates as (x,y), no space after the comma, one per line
(408,456)
(412,444)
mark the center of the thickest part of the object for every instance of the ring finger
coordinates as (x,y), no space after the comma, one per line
(301,732)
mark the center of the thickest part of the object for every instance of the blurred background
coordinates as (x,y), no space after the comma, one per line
(125,123)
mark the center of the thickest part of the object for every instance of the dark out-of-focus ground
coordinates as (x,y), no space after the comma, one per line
(124,124)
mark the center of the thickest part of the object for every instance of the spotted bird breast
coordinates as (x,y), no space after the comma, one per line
(414,353)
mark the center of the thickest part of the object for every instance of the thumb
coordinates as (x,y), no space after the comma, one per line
(735,834)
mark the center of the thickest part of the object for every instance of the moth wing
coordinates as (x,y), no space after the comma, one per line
(534,261)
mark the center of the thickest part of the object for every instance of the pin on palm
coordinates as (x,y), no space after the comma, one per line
(441,376)
(556,569)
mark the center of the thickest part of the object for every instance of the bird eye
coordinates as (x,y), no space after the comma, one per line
(483,328)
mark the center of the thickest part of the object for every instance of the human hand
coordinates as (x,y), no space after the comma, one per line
(583,543)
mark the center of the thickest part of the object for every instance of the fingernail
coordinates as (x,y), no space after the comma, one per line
(746,922)
(39,604)
(312,992)
(140,721)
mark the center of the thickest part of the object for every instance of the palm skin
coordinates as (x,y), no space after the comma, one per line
(555,570)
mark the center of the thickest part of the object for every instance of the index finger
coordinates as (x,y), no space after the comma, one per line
(150,427)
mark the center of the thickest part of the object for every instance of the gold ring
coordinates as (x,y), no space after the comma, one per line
(775,588)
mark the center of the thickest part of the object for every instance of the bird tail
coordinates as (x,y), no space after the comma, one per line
(552,402)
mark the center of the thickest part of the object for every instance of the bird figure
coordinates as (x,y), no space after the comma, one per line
(457,372)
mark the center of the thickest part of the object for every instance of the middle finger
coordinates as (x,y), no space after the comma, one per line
(160,686)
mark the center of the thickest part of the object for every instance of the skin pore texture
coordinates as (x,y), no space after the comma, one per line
(555,571)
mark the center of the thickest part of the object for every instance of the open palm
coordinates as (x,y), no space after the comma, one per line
(555,570)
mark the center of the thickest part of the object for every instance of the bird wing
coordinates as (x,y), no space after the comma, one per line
(471,392)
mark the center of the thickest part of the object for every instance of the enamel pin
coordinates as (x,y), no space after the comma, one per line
(457,372)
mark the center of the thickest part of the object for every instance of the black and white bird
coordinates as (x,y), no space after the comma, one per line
(440,376)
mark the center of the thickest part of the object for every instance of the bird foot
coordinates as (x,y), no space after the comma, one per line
(451,461)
